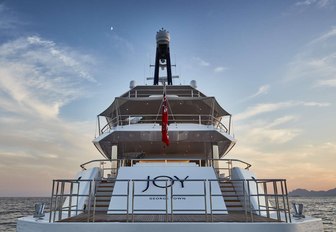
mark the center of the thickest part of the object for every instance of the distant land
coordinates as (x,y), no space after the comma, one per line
(307,193)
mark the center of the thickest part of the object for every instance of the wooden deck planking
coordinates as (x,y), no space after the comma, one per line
(231,217)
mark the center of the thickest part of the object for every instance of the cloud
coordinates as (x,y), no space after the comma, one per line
(220,69)
(329,83)
(292,164)
(318,104)
(315,3)
(121,43)
(203,63)
(270,107)
(261,91)
(270,132)
(39,77)
(324,37)
(7,21)
(317,60)
(199,61)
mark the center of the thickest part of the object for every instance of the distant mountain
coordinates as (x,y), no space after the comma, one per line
(306,193)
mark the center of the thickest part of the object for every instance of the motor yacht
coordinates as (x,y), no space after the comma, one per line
(164,168)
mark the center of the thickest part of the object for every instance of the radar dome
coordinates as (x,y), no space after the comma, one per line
(162,37)
(132,84)
(193,84)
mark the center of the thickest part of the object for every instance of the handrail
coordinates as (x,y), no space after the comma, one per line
(215,163)
(122,120)
(243,190)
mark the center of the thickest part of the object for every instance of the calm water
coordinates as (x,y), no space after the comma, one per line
(13,208)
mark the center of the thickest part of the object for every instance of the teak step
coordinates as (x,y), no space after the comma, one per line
(103,196)
(230,196)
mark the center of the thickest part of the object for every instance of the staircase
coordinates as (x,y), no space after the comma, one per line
(231,199)
(103,196)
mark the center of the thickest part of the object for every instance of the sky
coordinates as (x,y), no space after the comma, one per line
(271,64)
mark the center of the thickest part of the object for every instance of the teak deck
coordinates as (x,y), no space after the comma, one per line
(231,217)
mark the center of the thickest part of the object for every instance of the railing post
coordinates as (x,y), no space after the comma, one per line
(61,201)
(89,201)
(70,199)
(166,200)
(258,196)
(56,201)
(210,194)
(127,198)
(245,201)
(132,200)
(276,200)
(205,201)
(249,196)
(283,200)
(288,208)
(51,200)
(171,203)
(266,198)
(77,198)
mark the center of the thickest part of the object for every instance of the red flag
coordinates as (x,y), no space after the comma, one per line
(164,128)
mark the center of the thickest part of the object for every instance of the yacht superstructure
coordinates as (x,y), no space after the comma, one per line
(164,169)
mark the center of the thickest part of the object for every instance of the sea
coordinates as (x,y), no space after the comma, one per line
(12,208)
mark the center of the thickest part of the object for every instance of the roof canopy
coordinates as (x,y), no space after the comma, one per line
(152,105)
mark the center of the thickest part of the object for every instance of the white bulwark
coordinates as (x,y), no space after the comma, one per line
(186,185)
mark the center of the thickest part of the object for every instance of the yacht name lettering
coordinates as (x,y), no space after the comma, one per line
(162,181)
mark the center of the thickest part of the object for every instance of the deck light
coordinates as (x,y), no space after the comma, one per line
(39,210)
(298,210)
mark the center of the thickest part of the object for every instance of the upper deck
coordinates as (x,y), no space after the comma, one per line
(142,104)
(133,123)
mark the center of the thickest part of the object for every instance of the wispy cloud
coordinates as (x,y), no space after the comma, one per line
(272,135)
(271,107)
(220,69)
(40,77)
(261,91)
(330,34)
(6,21)
(121,43)
(316,3)
(201,62)
(313,158)
(317,60)
(329,83)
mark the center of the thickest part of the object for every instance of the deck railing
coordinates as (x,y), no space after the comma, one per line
(169,91)
(124,120)
(268,203)
(223,167)
(67,200)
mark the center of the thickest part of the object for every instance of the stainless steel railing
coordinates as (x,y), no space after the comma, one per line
(123,120)
(66,197)
(223,167)
(269,199)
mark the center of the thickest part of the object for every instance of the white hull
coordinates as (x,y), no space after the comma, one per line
(29,224)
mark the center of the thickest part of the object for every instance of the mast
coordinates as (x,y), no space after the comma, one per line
(162,58)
